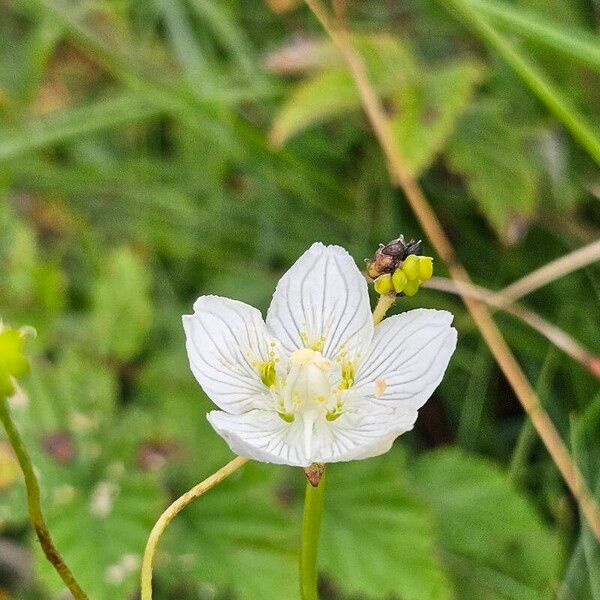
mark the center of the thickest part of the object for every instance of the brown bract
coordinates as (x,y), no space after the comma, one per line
(314,473)
(390,256)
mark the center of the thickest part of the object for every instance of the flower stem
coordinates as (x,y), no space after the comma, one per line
(313,508)
(386,301)
(171,513)
(33,503)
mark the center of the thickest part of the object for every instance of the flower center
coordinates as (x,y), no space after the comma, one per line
(309,391)
(307,387)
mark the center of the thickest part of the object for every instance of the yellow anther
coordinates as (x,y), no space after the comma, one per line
(286,417)
(332,416)
(347,376)
(318,345)
(267,373)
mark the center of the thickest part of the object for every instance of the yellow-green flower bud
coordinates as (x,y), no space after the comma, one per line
(410,266)
(425,268)
(412,287)
(383,284)
(12,360)
(399,280)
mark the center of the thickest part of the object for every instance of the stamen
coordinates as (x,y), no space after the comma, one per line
(347,376)
(267,373)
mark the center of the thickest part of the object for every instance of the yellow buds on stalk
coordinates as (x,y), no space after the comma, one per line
(425,267)
(13,362)
(399,279)
(384,284)
(410,266)
(399,268)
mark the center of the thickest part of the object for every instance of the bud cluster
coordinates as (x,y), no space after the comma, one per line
(399,268)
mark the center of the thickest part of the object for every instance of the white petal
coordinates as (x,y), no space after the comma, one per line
(367,430)
(408,358)
(225,340)
(323,297)
(262,435)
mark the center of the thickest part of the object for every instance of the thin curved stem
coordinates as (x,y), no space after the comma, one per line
(33,503)
(311,525)
(173,511)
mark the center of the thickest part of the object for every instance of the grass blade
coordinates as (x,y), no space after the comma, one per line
(73,123)
(576,43)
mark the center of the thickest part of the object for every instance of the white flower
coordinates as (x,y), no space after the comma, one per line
(317,382)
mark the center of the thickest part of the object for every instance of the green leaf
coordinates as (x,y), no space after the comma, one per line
(491,154)
(237,537)
(378,537)
(99,506)
(492,539)
(121,309)
(332,93)
(428,110)
(32,286)
(63,411)
(102,531)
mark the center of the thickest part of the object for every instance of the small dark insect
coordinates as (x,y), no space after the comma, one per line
(390,256)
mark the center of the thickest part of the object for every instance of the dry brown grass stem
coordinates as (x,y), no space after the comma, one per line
(560,338)
(554,270)
(432,227)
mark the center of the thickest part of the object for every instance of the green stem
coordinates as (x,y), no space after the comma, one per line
(522,451)
(313,508)
(33,503)
(580,128)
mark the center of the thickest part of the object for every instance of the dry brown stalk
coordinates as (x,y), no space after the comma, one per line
(433,229)
(560,338)
(553,270)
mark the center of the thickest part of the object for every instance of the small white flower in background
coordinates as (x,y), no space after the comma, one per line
(318,382)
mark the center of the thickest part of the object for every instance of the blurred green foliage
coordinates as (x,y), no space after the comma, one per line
(153,151)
